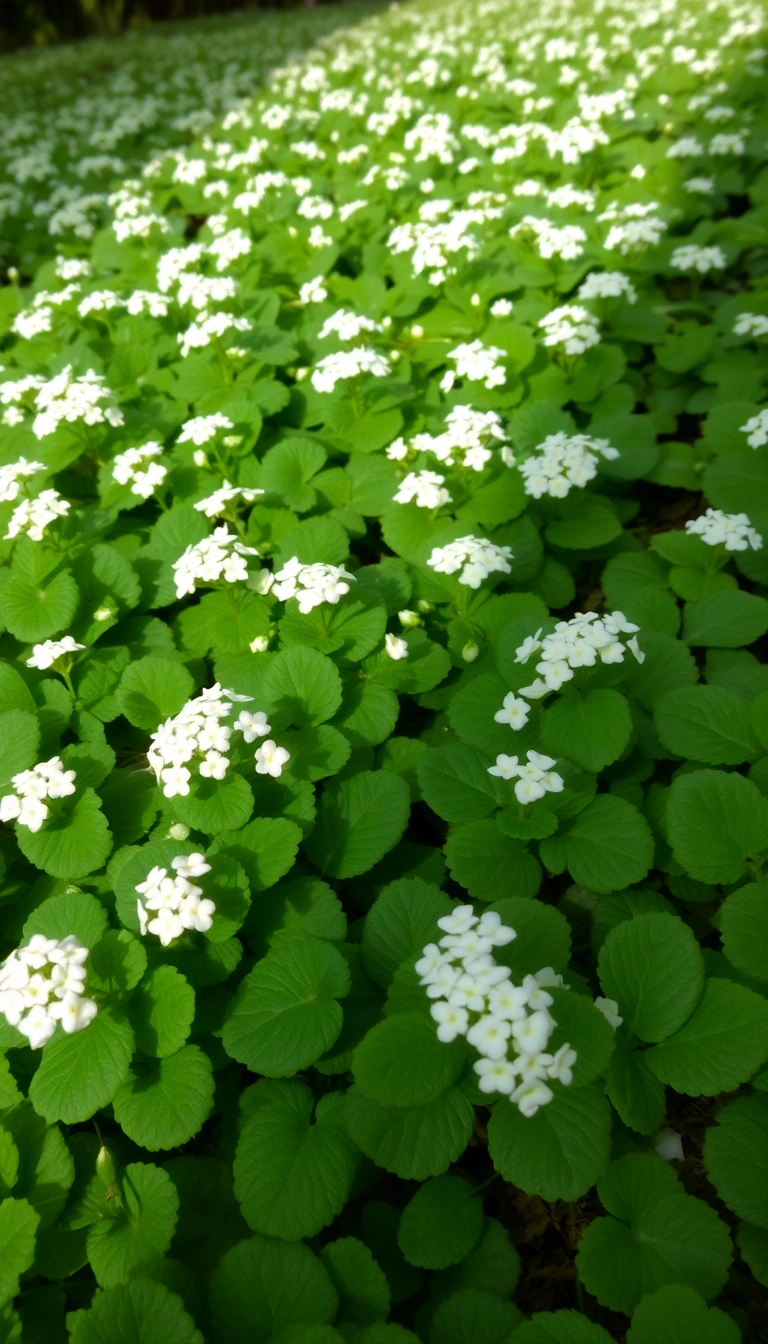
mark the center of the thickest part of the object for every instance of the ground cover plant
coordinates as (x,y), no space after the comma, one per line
(383,725)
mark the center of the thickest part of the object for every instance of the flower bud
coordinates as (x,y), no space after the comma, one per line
(470,651)
(178,831)
(260,644)
(417,331)
(105,1167)
(423,605)
(103,613)
(409,618)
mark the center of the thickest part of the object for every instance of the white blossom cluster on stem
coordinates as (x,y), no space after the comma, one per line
(571,327)
(561,461)
(69,398)
(509,1025)
(202,428)
(477,363)
(310,584)
(472,558)
(468,439)
(581,642)
(42,984)
(424,488)
(12,475)
(27,804)
(136,467)
(535,776)
(216,504)
(220,556)
(199,734)
(175,903)
(734,531)
(33,516)
(47,653)
(756,429)
(751,324)
(344,364)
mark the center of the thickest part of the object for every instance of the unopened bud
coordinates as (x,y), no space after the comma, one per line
(470,651)
(200,458)
(260,644)
(409,618)
(103,613)
(105,1167)
(423,605)
(475,300)
(417,330)
(178,831)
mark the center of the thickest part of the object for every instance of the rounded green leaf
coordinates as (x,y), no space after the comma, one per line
(743,924)
(19,739)
(490,865)
(559,1152)
(358,822)
(721,1045)
(141,1230)
(285,1014)
(153,689)
(215,805)
(140,1312)
(18,1228)
(471,1316)
(607,847)
(560,1327)
(736,1158)
(401,1062)
(360,1283)
(652,966)
(707,723)
(70,843)
(292,1174)
(592,730)
(261,1287)
(542,936)
(161,1012)
(33,611)
(69,912)
(401,921)
(441,1224)
(726,620)
(412,1142)
(164,1102)
(679,1315)
(81,1073)
(302,688)
(715,821)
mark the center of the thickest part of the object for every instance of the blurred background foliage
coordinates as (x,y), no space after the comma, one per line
(43,22)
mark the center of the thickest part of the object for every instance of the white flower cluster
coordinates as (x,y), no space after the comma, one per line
(607,285)
(220,556)
(68,398)
(42,984)
(347,326)
(209,328)
(574,644)
(136,467)
(473,558)
(699,259)
(13,474)
(175,901)
(202,428)
(27,804)
(731,530)
(198,733)
(756,429)
(311,585)
(395,648)
(468,438)
(534,778)
(33,516)
(561,461)
(343,364)
(509,1025)
(572,327)
(217,502)
(751,324)
(634,227)
(566,241)
(426,488)
(46,654)
(477,363)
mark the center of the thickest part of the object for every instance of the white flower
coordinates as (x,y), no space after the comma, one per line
(32,787)
(220,556)
(756,429)
(270,759)
(218,501)
(33,516)
(42,984)
(347,326)
(452,1022)
(495,1075)
(731,530)
(478,364)
(12,475)
(46,654)
(607,285)
(514,711)
(425,487)
(345,364)
(669,1145)
(395,647)
(571,327)
(474,557)
(252,725)
(202,428)
(489,1036)
(135,467)
(530,1096)
(746,324)
(699,259)
(562,461)
(311,585)
(501,308)
(610,1010)
(69,398)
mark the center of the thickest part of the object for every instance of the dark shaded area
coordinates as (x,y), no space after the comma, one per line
(25,23)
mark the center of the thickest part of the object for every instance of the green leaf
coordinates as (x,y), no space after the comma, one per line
(677,1314)
(140,1310)
(18,1226)
(401,921)
(302,688)
(559,1152)
(292,1175)
(543,936)
(471,1316)
(361,1285)
(227,622)
(743,924)
(358,821)
(163,1103)
(560,1327)
(413,1142)
(69,912)
(652,966)
(715,821)
(720,1046)
(489,864)
(668,666)
(401,1062)
(70,844)
(19,739)
(128,1244)
(265,849)
(592,730)
(633,1091)
(261,1287)
(33,611)
(441,1224)
(81,1073)
(455,783)
(587,522)
(585,1029)
(493,1265)
(736,1158)
(606,847)
(215,805)
(285,1013)
(161,1012)
(707,723)
(369,713)
(152,690)
(664,1236)
(753,1244)
(289,467)
(727,620)
(303,908)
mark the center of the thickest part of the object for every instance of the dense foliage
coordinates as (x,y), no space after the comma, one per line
(383,732)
